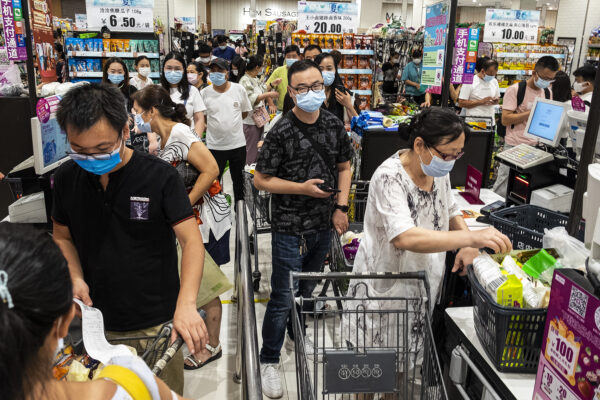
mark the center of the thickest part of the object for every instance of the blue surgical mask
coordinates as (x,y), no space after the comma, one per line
(290,61)
(542,83)
(222,47)
(95,166)
(144,127)
(217,78)
(116,78)
(437,168)
(173,77)
(311,101)
(488,78)
(328,77)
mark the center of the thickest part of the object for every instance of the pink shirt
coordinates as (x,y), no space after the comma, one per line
(514,136)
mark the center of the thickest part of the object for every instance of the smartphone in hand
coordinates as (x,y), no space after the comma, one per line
(327,188)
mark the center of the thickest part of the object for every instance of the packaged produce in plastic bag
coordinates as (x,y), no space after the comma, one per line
(572,252)
(10,81)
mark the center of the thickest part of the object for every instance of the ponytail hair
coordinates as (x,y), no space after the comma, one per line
(436,126)
(158,97)
(38,281)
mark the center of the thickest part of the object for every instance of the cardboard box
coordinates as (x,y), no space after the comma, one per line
(569,366)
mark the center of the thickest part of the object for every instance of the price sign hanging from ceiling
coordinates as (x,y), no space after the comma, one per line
(327,17)
(120,15)
(511,26)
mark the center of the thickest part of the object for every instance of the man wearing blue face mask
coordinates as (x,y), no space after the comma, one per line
(116,215)
(223,51)
(479,99)
(305,163)
(227,105)
(278,79)
(516,106)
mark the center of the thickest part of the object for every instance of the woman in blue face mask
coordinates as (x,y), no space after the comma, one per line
(412,220)
(339,100)
(174,79)
(115,72)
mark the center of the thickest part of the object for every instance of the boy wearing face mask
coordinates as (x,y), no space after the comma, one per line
(227,105)
(412,78)
(515,113)
(205,55)
(479,99)
(390,75)
(223,51)
(584,83)
(142,79)
(305,159)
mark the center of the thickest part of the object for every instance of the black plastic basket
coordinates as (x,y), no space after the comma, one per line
(511,337)
(524,225)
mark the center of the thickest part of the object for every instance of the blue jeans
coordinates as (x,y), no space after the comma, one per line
(287,259)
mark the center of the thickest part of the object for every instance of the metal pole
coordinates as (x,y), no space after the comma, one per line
(587,157)
(448,52)
(29,62)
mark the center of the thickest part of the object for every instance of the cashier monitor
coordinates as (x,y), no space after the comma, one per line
(545,122)
(50,145)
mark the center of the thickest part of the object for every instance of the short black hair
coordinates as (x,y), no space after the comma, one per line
(547,62)
(140,58)
(222,39)
(83,106)
(489,63)
(417,53)
(561,87)
(300,66)
(587,72)
(292,48)
(204,49)
(479,62)
(312,47)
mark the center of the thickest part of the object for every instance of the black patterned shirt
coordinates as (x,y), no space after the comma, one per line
(288,155)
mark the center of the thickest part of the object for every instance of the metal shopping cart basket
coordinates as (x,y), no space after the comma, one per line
(259,205)
(376,347)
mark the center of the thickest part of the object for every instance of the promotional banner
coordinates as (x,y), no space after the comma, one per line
(189,23)
(43,38)
(511,26)
(434,46)
(81,22)
(465,55)
(328,17)
(14,31)
(121,15)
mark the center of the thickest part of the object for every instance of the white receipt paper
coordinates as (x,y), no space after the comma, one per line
(96,345)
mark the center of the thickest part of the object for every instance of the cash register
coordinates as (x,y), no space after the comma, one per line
(533,168)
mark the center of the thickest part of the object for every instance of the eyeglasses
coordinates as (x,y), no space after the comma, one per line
(448,157)
(96,156)
(316,87)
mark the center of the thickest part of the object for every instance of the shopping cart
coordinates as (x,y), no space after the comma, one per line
(259,206)
(376,347)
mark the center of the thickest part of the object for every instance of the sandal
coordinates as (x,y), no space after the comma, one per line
(216,353)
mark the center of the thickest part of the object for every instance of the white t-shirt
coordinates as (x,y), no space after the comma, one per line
(178,145)
(193,104)
(224,128)
(478,90)
(395,205)
(139,84)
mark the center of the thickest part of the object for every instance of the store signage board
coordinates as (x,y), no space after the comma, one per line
(43,37)
(189,23)
(328,17)
(465,55)
(434,45)
(511,26)
(81,22)
(14,31)
(121,16)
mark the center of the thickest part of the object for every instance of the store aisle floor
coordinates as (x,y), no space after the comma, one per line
(215,381)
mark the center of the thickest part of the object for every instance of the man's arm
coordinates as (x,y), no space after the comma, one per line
(64,241)
(186,321)
(513,118)
(474,103)
(340,219)
(272,184)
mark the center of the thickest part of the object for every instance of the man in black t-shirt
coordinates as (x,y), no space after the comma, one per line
(304,159)
(116,214)
(390,74)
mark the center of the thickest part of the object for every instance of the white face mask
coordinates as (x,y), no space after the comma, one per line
(204,60)
(579,87)
(235,72)
(144,71)
(417,61)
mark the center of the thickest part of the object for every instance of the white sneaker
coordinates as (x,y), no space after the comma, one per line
(309,346)
(271,382)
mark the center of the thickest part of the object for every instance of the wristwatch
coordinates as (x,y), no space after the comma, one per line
(343,209)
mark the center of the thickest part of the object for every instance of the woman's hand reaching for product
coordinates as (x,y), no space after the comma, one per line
(344,98)
(492,239)
(272,109)
(464,257)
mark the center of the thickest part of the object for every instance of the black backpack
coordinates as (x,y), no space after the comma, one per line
(520,97)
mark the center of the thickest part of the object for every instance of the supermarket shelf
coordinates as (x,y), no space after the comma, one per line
(593,46)
(111,54)
(363,92)
(355,71)
(515,71)
(592,58)
(528,55)
(154,75)
(352,52)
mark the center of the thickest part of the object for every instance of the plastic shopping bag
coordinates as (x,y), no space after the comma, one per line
(572,252)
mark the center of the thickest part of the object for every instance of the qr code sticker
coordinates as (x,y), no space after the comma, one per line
(578,301)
